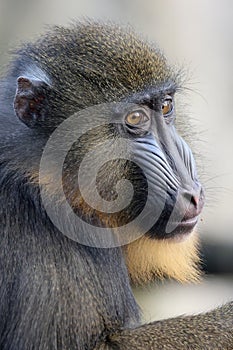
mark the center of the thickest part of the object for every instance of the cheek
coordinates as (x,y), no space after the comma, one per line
(186,155)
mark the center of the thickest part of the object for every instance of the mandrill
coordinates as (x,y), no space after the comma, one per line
(87,118)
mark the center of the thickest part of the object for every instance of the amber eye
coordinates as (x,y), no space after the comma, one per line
(136,118)
(167,106)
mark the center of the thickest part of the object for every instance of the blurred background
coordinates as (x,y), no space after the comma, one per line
(196,34)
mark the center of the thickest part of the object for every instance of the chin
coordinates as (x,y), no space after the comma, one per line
(176,257)
(180,237)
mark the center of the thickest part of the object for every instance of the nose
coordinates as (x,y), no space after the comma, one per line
(195,200)
(196,203)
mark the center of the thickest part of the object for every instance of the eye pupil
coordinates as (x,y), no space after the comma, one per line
(136,118)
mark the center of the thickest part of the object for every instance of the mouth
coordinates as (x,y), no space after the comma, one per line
(190,219)
(181,230)
(170,226)
(186,226)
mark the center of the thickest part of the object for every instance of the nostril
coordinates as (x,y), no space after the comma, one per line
(195,200)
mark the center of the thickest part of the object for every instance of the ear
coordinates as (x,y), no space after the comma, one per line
(31,101)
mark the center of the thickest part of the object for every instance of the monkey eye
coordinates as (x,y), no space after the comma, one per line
(167,106)
(136,118)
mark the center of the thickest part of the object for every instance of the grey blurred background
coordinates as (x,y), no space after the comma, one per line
(197,34)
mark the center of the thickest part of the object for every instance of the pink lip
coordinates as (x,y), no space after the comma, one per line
(190,221)
(186,226)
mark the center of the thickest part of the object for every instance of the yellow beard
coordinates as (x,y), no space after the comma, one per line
(147,258)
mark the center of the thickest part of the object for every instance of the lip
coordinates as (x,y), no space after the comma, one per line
(170,227)
(184,228)
(190,221)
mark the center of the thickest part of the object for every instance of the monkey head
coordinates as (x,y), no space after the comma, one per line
(121,91)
